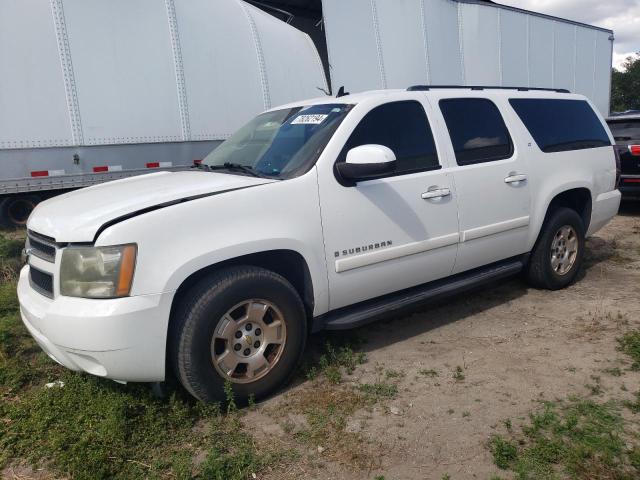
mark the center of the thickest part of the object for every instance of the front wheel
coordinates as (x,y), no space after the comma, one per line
(242,325)
(557,256)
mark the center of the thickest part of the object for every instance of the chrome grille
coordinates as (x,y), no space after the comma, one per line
(41,282)
(41,246)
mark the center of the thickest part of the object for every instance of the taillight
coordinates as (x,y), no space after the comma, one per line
(616,151)
(635,150)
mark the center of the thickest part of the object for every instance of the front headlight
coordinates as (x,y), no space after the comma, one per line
(97,272)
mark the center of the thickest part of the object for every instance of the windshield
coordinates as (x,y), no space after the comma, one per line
(279,144)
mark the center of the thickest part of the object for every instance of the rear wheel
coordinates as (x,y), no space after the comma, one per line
(557,256)
(242,325)
(15,210)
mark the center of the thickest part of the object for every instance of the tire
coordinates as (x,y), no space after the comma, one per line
(203,338)
(557,269)
(15,210)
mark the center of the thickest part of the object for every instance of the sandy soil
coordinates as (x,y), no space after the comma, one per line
(515,345)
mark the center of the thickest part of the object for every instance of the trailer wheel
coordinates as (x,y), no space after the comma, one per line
(15,210)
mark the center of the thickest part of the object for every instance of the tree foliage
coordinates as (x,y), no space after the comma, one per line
(625,91)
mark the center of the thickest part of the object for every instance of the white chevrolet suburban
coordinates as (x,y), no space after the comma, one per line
(324,214)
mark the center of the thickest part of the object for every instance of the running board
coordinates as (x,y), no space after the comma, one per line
(372,310)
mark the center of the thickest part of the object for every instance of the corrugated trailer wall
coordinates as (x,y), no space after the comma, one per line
(95,90)
(95,72)
(397,43)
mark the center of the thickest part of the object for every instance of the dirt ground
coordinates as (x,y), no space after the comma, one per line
(515,346)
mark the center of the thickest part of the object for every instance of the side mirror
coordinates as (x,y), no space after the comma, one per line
(367,162)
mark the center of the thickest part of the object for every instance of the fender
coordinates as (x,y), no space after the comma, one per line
(173,243)
(546,195)
(231,252)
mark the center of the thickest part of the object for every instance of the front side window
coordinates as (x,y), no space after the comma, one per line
(561,125)
(279,144)
(403,127)
(477,130)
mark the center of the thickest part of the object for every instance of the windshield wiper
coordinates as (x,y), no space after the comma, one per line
(235,166)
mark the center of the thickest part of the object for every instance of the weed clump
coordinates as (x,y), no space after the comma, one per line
(629,343)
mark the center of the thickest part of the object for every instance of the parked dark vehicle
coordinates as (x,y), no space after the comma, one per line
(626,131)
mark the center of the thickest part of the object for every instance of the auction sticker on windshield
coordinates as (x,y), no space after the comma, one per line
(316,119)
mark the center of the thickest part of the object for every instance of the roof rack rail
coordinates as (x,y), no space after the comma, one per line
(423,88)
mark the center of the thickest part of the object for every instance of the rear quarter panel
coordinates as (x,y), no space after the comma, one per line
(550,174)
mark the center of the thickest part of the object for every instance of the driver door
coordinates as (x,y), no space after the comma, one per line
(396,231)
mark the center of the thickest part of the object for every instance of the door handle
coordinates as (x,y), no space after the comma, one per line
(515,178)
(436,193)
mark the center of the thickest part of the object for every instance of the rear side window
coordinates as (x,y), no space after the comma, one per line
(403,127)
(477,130)
(561,125)
(625,131)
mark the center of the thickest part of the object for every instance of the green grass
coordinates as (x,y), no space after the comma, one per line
(375,392)
(576,438)
(507,424)
(629,343)
(634,405)
(10,247)
(92,428)
(389,374)
(504,452)
(335,361)
(614,372)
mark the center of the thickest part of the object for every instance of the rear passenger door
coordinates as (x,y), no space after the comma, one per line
(491,181)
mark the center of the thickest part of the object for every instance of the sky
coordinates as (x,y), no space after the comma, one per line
(621,16)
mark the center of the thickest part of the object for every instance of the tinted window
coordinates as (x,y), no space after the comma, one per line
(404,128)
(625,131)
(561,125)
(477,130)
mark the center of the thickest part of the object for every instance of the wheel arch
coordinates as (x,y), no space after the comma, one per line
(578,199)
(290,264)
(575,197)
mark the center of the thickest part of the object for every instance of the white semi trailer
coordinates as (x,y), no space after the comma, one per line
(96,90)
(396,43)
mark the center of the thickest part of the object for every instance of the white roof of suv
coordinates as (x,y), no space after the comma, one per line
(458,91)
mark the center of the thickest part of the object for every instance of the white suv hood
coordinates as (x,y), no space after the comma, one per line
(77,216)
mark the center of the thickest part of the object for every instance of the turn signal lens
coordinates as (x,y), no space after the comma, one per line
(127,266)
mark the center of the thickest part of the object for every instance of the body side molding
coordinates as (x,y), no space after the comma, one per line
(371,258)
(494,228)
